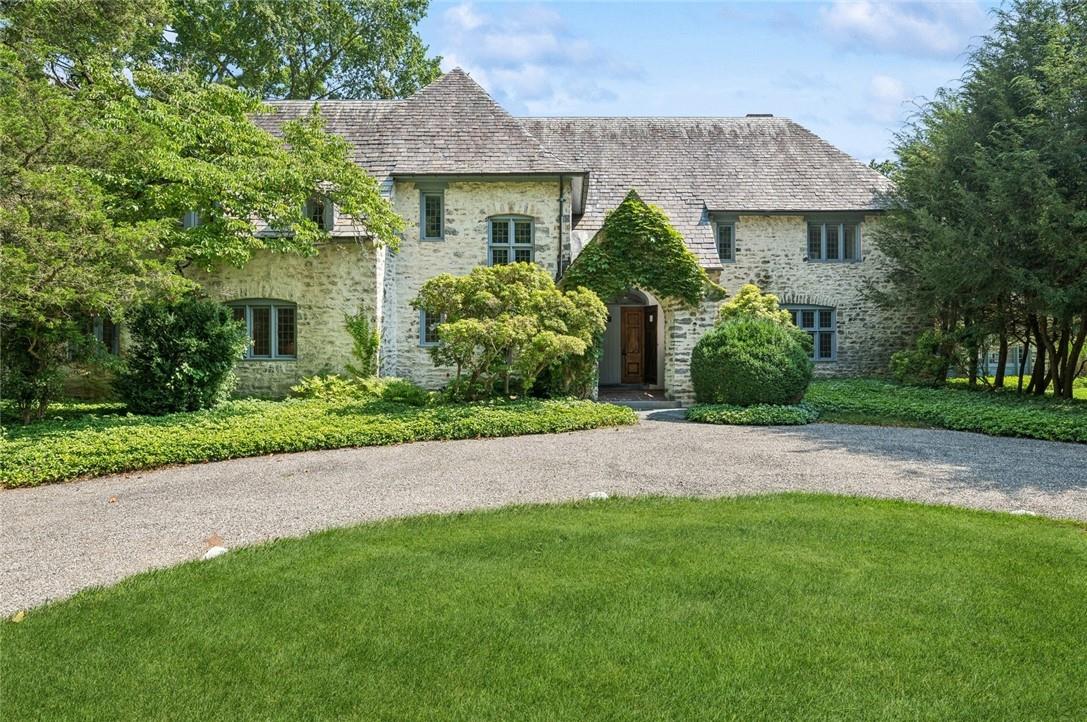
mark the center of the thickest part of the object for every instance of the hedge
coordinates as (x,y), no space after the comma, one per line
(756,415)
(993,413)
(94,445)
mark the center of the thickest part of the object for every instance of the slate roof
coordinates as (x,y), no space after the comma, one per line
(688,166)
(693,166)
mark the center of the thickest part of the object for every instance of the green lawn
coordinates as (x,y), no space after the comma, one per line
(79,442)
(870,401)
(779,607)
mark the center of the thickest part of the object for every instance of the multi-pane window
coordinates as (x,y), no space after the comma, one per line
(428,329)
(820,323)
(431,221)
(319,210)
(272,327)
(726,242)
(833,241)
(509,240)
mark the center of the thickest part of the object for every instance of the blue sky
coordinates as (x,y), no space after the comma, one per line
(849,71)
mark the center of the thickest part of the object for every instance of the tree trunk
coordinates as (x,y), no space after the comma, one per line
(1002,359)
(1024,354)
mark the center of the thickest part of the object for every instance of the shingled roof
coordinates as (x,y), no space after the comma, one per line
(688,166)
(692,166)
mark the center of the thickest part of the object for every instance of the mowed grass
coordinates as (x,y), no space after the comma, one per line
(88,440)
(778,607)
(997,413)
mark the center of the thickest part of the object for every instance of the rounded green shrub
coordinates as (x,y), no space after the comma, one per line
(751,360)
(181,357)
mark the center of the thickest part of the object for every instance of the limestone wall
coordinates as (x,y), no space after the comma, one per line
(336,281)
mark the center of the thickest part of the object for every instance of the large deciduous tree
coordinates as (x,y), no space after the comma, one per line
(987,232)
(302,49)
(104,153)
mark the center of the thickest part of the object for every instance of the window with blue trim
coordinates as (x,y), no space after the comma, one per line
(431,215)
(820,323)
(428,329)
(509,240)
(726,241)
(272,328)
(834,241)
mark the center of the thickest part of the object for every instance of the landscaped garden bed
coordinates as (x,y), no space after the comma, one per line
(82,443)
(788,606)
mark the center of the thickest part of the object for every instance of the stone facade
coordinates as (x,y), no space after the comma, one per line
(770,251)
(342,277)
(467,206)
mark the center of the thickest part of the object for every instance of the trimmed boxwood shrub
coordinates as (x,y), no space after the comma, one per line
(750,360)
(756,415)
(181,357)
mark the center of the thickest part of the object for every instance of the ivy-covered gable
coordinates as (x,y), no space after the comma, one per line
(638,248)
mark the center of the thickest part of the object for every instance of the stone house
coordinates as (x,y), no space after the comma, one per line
(757,199)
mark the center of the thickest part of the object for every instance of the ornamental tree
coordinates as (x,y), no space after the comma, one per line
(750,302)
(502,326)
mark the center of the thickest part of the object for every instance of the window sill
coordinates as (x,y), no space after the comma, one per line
(423,239)
(265,359)
(845,262)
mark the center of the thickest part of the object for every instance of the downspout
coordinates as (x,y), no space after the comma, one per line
(562,208)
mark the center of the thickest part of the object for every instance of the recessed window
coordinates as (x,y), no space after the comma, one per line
(272,327)
(509,240)
(428,329)
(318,210)
(191,219)
(834,241)
(726,242)
(820,323)
(432,219)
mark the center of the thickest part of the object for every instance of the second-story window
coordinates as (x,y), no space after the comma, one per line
(834,241)
(432,216)
(509,240)
(726,241)
(319,210)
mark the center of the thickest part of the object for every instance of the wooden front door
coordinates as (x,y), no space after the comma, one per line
(632,331)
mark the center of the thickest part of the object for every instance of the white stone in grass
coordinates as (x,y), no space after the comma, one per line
(1023,512)
(598,495)
(215,552)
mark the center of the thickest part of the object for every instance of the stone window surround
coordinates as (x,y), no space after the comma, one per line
(841,222)
(511,245)
(817,330)
(248,304)
(430,191)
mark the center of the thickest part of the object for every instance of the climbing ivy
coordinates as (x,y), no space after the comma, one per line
(638,248)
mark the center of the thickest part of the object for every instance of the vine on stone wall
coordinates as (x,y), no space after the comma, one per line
(638,248)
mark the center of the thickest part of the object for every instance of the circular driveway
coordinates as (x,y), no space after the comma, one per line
(61,538)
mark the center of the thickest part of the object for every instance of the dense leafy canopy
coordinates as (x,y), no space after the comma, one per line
(504,325)
(638,248)
(988,228)
(104,153)
(303,49)
(750,302)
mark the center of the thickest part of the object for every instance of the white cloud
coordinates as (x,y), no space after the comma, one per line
(921,28)
(887,97)
(528,58)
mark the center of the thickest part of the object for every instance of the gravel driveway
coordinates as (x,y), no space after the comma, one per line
(61,538)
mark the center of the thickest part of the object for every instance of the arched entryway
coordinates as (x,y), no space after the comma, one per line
(633,352)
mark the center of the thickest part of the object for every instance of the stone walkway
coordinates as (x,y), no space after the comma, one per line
(60,538)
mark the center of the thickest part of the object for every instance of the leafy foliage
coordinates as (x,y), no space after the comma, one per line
(330,387)
(103,155)
(337,389)
(365,341)
(181,357)
(987,225)
(927,364)
(302,49)
(504,325)
(638,248)
(750,302)
(95,445)
(751,360)
(996,414)
(754,415)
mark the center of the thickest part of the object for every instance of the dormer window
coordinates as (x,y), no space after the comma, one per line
(191,220)
(319,211)
(726,241)
(432,215)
